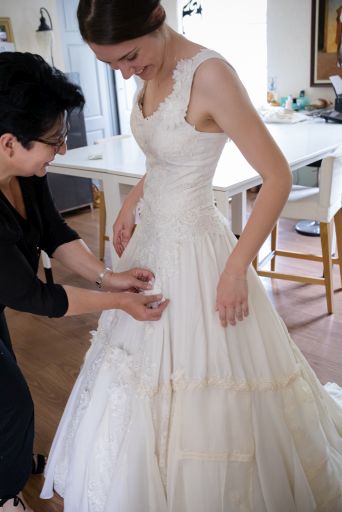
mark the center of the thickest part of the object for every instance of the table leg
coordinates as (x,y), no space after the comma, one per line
(239,212)
(222,202)
(239,208)
(112,196)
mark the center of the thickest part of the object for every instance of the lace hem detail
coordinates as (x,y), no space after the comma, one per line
(219,456)
(181,384)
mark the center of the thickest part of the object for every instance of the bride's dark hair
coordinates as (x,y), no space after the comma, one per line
(115,21)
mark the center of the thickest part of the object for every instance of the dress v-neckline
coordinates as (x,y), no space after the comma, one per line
(168,96)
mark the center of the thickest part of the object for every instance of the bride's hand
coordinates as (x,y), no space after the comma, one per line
(135,279)
(123,229)
(232,298)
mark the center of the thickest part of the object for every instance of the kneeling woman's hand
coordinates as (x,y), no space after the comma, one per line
(135,279)
(139,306)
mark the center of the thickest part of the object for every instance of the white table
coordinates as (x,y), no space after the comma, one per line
(123,163)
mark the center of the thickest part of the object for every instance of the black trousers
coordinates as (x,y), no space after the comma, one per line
(16,420)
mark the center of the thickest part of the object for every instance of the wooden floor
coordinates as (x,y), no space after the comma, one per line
(50,351)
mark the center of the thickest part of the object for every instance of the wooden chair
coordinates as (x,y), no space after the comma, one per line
(323,204)
(102,226)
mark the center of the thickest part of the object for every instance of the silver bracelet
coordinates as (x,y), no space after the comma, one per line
(101,276)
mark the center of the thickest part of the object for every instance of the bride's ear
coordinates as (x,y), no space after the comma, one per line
(157,14)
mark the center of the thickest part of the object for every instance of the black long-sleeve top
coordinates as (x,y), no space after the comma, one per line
(21,241)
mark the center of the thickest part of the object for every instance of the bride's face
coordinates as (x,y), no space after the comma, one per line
(142,56)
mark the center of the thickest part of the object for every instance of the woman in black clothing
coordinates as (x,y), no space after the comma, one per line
(35,101)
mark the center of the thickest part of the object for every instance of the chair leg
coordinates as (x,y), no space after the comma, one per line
(327,263)
(102,227)
(338,230)
(255,262)
(274,242)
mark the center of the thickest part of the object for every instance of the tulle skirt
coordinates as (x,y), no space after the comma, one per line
(183,415)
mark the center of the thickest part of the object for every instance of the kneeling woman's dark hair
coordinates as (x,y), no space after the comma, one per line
(33,95)
(115,21)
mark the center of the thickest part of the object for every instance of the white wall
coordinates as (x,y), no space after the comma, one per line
(171,10)
(24,15)
(288,37)
(237,30)
(288,47)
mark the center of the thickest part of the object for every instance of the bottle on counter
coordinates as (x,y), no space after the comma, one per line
(302,100)
(289,102)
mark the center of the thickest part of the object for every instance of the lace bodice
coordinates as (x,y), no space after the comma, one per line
(180,163)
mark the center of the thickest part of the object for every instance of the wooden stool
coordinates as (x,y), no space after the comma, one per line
(323,204)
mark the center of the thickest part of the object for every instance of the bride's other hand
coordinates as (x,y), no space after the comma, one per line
(232,298)
(135,279)
(123,229)
(137,305)
(125,222)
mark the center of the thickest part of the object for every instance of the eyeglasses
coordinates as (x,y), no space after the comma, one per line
(56,144)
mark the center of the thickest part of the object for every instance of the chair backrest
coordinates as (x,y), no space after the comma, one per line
(330,182)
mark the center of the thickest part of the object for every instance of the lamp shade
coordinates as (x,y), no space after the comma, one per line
(45,37)
(43,25)
(45,42)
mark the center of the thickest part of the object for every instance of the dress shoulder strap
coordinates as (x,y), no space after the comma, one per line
(185,74)
(204,55)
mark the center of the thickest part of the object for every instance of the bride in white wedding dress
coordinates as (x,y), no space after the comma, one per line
(212,408)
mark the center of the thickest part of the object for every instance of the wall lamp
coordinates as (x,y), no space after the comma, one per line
(45,35)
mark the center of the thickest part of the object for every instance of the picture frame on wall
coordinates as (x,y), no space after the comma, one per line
(6,36)
(326,41)
(6,32)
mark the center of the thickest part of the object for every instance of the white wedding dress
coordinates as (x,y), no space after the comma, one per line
(183,415)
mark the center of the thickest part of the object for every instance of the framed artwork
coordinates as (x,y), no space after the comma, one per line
(6,32)
(326,41)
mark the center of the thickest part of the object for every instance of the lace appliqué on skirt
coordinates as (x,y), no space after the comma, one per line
(160,241)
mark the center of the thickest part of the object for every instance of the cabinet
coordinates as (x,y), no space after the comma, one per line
(72,192)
